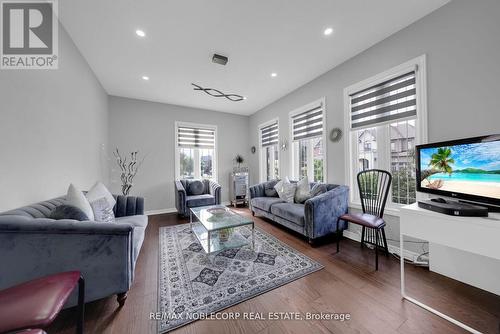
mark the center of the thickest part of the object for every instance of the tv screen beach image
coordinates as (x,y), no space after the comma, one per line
(468,169)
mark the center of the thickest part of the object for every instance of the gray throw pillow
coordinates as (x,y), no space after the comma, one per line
(75,197)
(195,187)
(66,211)
(269,188)
(318,189)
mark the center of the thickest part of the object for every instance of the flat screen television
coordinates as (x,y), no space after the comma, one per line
(467,169)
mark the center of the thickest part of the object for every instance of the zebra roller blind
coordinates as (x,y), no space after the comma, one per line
(389,101)
(195,137)
(308,124)
(269,135)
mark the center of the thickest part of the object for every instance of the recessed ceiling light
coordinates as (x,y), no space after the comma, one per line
(144,77)
(274,74)
(140,33)
(328,31)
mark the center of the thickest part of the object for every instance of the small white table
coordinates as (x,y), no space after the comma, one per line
(478,235)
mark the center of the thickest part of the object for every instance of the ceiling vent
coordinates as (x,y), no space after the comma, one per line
(218,59)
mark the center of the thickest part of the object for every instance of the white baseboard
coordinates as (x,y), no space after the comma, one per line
(409,255)
(160,211)
(352,235)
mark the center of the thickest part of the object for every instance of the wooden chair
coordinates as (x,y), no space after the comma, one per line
(374,186)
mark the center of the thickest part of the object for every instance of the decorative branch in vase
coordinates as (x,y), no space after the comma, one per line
(128,169)
(239,160)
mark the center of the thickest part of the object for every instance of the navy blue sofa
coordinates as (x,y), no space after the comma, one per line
(184,199)
(32,245)
(317,217)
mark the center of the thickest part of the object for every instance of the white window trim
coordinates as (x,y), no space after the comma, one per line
(177,153)
(291,114)
(261,163)
(418,63)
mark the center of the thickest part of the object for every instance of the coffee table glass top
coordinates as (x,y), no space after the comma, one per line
(217,217)
(216,228)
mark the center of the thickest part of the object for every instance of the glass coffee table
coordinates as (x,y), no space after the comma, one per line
(216,226)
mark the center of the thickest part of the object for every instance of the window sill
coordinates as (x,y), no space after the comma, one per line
(391,211)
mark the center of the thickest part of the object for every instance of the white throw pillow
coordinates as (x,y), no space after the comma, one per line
(279,188)
(286,190)
(99,191)
(303,192)
(95,196)
(76,198)
(289,191)
(103,212)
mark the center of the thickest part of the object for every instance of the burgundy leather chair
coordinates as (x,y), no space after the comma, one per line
(374,186)
(29,306)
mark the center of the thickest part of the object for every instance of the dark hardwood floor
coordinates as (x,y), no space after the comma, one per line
(348,283)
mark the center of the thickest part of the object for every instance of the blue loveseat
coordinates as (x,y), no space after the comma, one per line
(33,245)
(189,195)
(317,217)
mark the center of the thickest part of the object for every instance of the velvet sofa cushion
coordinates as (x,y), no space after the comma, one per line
(200,200)
(293,212)
(269,188)
(66,211)
(195,187)
(265,203)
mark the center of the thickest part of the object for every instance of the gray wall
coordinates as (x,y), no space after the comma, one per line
(462,44)
(53,124)
(149,127)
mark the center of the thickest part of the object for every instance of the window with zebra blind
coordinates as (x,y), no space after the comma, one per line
(196,151)
(269,150)
(385,118)
(307,131)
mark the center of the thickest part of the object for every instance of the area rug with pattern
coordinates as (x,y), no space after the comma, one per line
(193,285)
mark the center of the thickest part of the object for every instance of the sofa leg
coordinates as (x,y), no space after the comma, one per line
(253,213)
(311,241)
(120,298)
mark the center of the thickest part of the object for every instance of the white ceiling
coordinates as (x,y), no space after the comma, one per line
(259,37)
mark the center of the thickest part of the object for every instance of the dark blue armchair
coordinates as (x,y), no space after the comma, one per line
(194,193)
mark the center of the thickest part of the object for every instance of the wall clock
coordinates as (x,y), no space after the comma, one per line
(336,134)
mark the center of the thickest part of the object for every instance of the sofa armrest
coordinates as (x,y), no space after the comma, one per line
(257,190)
(180,197)
(215,190)
(103,252)
(322,212)
(128,206)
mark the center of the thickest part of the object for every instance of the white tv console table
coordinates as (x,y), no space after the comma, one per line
(478,235)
